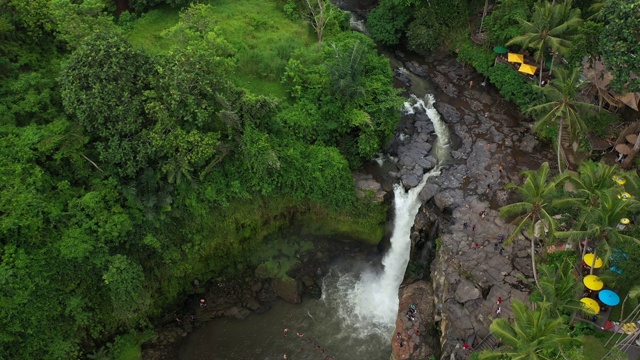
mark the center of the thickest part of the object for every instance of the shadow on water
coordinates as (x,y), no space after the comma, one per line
(326,334)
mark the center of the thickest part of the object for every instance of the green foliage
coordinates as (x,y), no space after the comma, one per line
(481,58)
(600,122)
(513,86)
(586,43)
(622,255)
(502,24)
(291,10)
(143,5)
(343,97)
(619,43)
(386,22)
(532,334)
(107,99)
(582,328)
(164,169)
(77,20)
(434,22)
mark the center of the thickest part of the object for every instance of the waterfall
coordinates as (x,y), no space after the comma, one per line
(368,305)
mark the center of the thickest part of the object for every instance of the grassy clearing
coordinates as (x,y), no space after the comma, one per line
(146,32)
(260,32)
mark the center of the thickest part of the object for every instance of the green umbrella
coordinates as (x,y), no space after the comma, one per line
(500,49)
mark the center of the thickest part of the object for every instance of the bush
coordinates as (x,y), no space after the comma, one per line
(600,122)
(502,24)
(481,58)
(513,86)
(387,21)
(434,23)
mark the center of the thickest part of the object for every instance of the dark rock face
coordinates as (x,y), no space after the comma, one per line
(412,328)
(288,289)
(491,144)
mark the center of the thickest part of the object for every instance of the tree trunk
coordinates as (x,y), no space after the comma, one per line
(484,14)
(533,256)
(541,63)
(593,263)
(626,164)
(560,125)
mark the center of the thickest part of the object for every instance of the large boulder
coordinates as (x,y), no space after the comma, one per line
(413,333)
(466,291)
(288,289)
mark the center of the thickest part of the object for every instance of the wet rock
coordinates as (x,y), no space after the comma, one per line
(288,289)
(448,112)
(416,68)
(237,312)
(366,186)
(256,287)
(527,143)
(466,291)
(412,178)
(448,199)
(168,335)
(428,192)
(253,304)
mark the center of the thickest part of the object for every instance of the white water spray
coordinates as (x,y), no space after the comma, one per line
(368,305)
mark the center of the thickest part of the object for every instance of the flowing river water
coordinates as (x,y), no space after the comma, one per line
(356,314)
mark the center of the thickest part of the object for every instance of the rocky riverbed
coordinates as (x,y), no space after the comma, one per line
(491,144)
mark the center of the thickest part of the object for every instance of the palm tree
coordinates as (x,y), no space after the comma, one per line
(562,108)
(533,335)
(537,193)
(601,222)
(558,289)
(552,26)
(592,180)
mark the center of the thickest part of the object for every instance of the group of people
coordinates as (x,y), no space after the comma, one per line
(411,316)
(309,340)
(411,313)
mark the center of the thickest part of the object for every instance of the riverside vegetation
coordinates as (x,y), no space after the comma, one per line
(143,150)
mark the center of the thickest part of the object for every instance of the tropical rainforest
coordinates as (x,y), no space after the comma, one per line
(147,143)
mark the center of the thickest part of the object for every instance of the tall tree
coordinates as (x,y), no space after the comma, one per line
(103,87)
(562,108)
(552,27)
(558,289)
(318,13)
(532,335)
(536,193)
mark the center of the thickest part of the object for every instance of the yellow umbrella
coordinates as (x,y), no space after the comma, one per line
(593,282)
(590,304)
(527,69)
(588,259)
(624,196)
(625,221)
(519,58)
(619,180)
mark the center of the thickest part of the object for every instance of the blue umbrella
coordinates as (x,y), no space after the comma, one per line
(608,297)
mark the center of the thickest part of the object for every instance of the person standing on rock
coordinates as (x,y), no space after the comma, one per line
(499,301)
(474,228)
(475,246)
